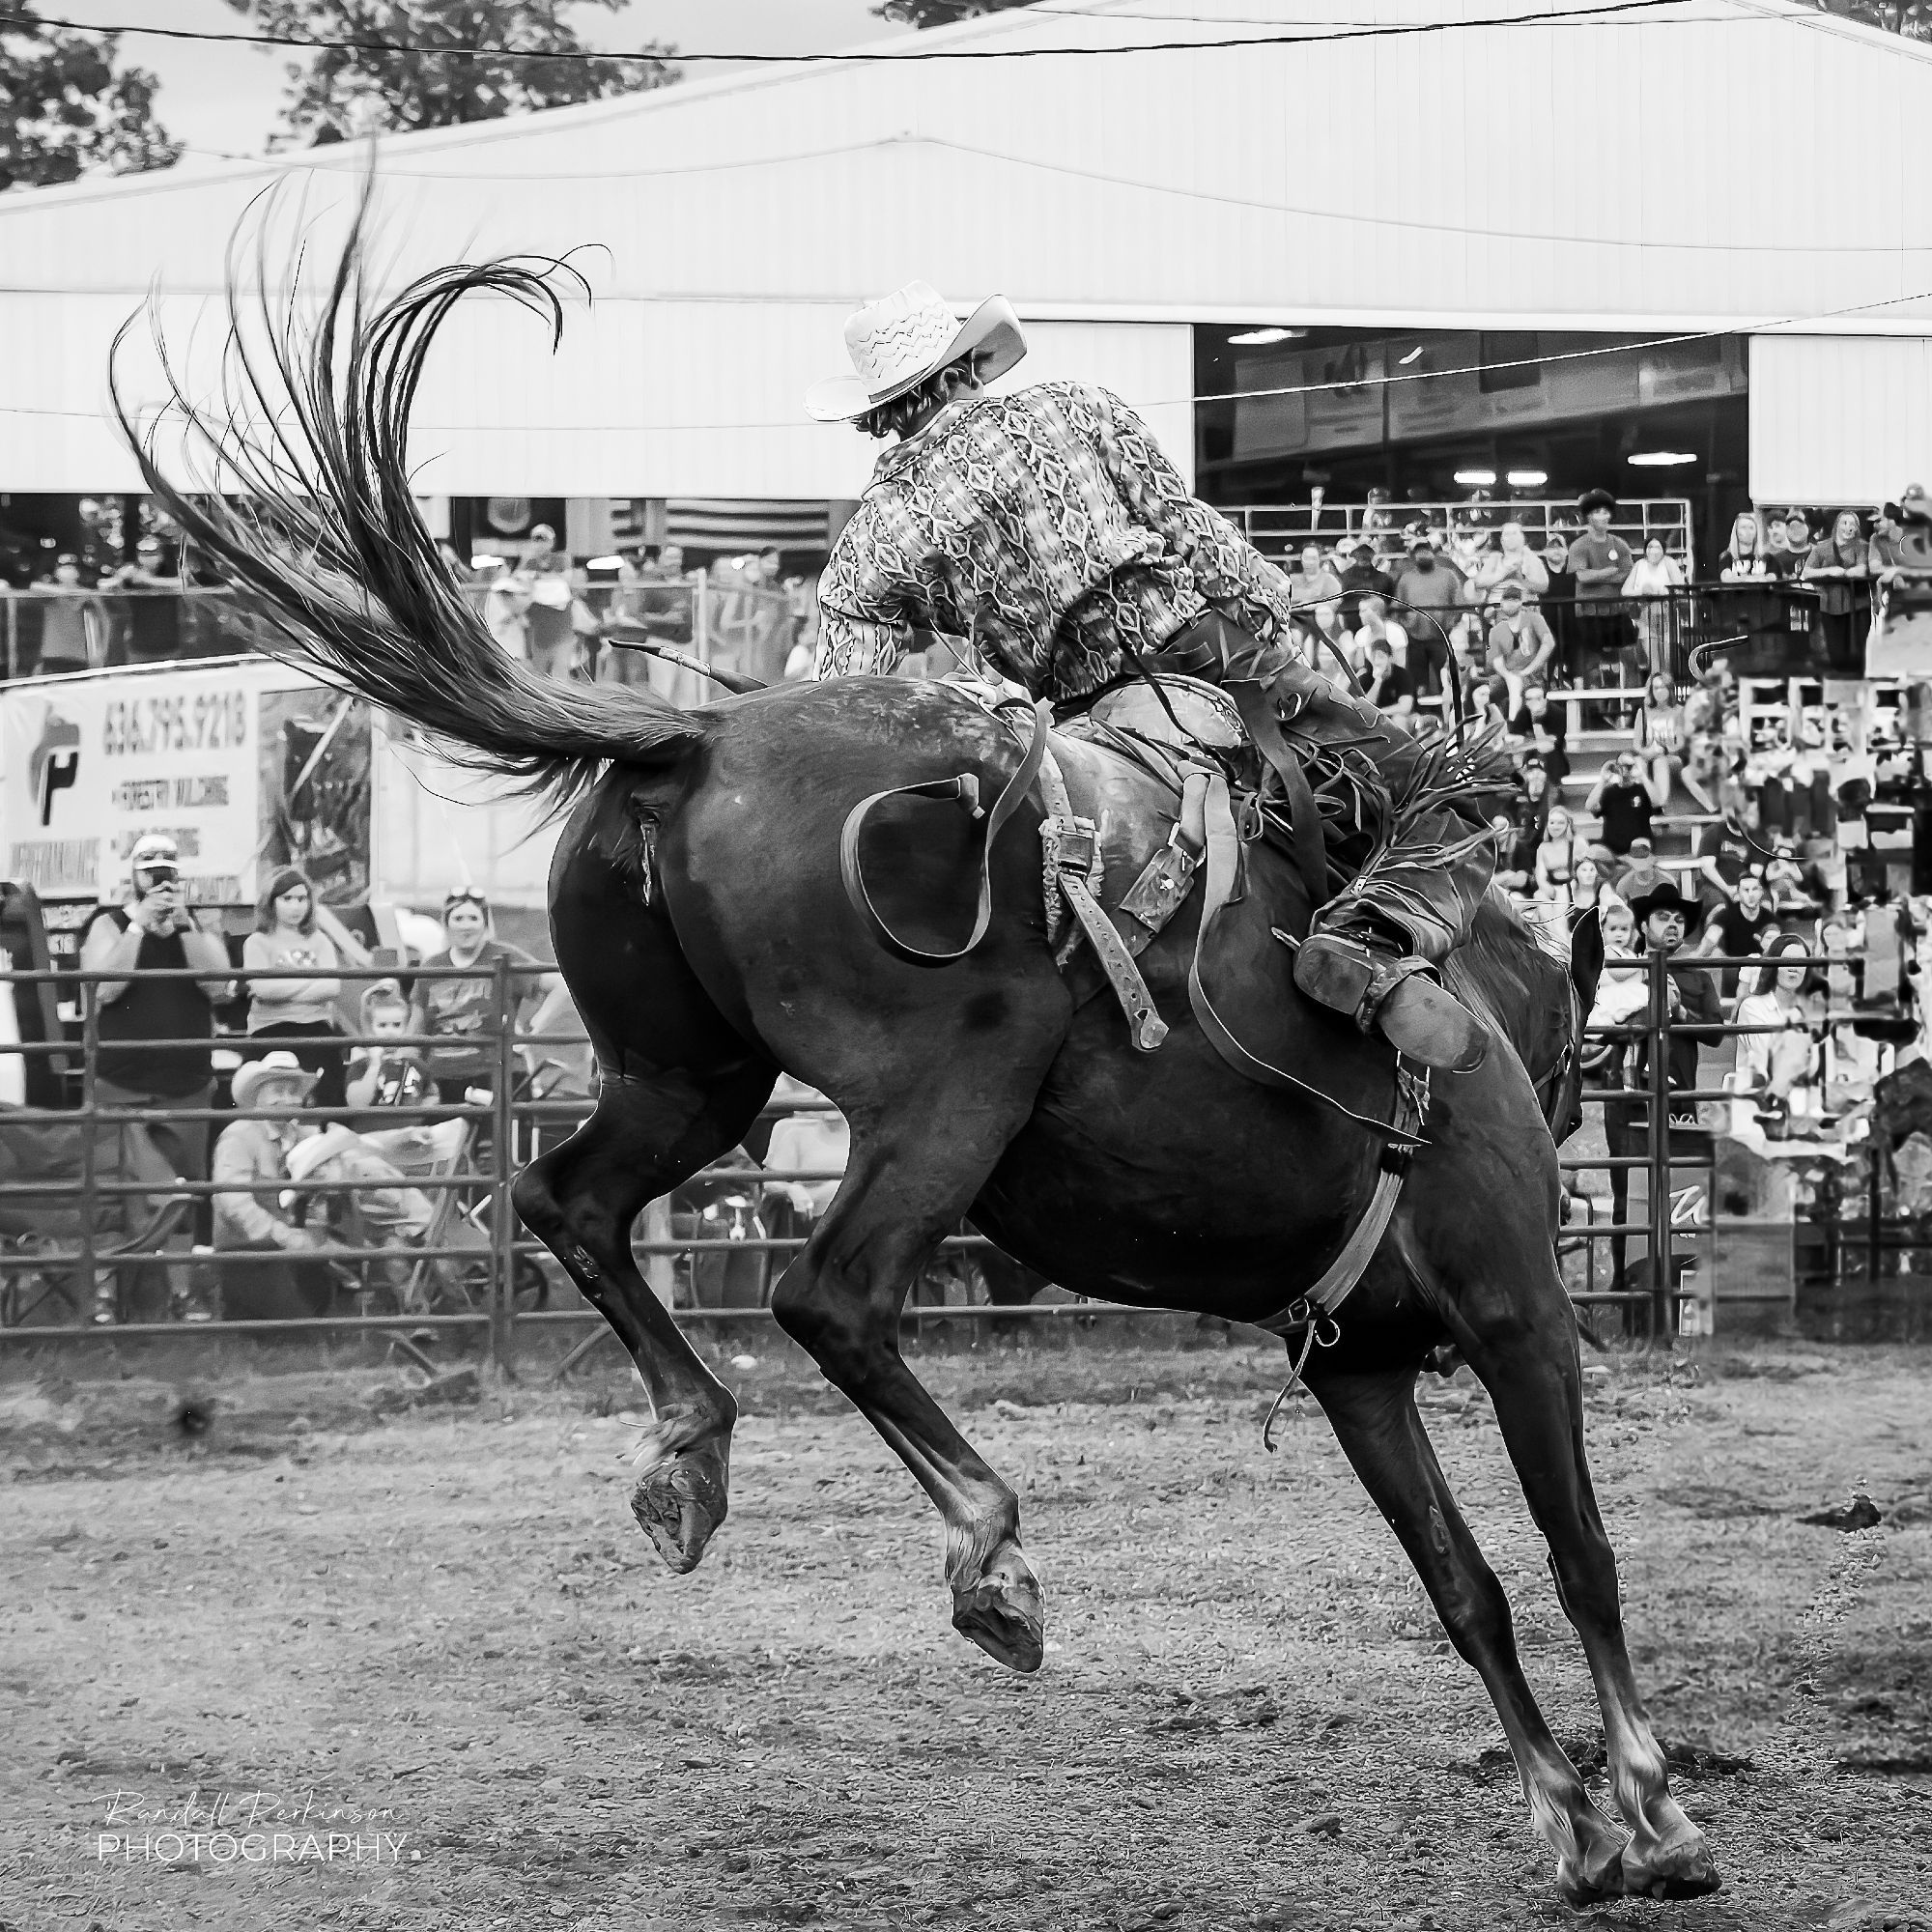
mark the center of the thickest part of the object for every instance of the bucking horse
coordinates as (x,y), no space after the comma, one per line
(701,917)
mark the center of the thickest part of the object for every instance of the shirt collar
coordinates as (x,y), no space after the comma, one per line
(893,460)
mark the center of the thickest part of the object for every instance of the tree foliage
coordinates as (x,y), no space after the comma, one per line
(1910,17)
(65,107)
(940,12)
(340,91)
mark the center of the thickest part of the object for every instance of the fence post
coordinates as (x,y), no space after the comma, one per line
(1662,1303)
(89,1203)
(503,1230)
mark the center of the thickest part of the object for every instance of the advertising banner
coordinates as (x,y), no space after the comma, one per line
(246,765)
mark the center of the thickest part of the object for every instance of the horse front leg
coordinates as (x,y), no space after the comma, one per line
(909,1181)
(1374,1420)
(1533,1373)
(581,1201)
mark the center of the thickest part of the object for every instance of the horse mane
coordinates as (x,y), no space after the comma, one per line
(1503,976)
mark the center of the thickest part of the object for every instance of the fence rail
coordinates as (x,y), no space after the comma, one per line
(81,1196)
(1770,628)
(1276,529)
(749,628)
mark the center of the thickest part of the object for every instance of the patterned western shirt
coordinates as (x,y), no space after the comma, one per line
(1043,529)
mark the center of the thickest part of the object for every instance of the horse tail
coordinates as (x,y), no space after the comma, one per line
(325,540)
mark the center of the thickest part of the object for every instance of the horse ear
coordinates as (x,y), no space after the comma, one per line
(1586,956)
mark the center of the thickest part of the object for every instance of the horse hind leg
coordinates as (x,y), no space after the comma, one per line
(914,1168)
(1374,1419)
(581,1201)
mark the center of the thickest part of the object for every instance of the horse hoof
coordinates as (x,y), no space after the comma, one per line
(1581,1884)
(1003,1613)
(680,1503)
(1685,1870)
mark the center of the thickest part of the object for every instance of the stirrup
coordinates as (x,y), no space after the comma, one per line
(1400,998)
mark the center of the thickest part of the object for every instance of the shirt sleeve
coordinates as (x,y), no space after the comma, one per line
(865,617)
(1227,570)
(855,647)
(235,1178)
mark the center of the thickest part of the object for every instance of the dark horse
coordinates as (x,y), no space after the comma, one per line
(698,918)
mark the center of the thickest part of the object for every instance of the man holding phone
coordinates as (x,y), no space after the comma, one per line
(151,929)
(1626,799)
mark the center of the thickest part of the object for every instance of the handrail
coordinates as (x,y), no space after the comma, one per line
(510,1112)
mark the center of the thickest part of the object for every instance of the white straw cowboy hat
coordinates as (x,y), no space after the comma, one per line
(896,343)
(252,1075)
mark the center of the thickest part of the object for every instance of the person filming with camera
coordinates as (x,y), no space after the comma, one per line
(155,928)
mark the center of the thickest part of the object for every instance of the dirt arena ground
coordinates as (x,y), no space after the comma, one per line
(441,1628)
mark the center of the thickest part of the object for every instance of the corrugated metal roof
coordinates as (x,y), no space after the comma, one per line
(1683,168)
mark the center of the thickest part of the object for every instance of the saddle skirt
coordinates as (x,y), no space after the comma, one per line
(1124,792)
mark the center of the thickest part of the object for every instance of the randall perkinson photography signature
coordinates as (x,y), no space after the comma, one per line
(246,1826)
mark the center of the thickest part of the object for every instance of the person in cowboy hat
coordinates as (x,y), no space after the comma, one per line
(1666,921)
(1046,534)
(260,1163)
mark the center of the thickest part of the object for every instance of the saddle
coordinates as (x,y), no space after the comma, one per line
(1153,793)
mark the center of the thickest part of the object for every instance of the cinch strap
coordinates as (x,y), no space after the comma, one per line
(1306,1312)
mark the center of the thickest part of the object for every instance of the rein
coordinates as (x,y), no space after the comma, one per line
(1223,859)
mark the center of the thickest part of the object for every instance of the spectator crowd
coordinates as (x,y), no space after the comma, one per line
(1791,816)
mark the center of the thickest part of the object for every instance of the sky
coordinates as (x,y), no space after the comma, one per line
(226,99)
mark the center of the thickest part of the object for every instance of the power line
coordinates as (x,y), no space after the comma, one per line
(334,161)
(1545,238)
(1619,346)
(1559,15)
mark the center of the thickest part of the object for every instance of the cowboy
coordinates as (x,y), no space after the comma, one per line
(261,1163)
(1046,533)
(1666,920)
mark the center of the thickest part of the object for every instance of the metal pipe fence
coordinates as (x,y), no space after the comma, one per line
(1278,529)
(1604,648)
(81,628)
(744,627)
(474,1236)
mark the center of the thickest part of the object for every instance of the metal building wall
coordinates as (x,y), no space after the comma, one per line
(643,399)
(1840,420)
(1680,168)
